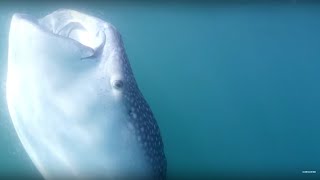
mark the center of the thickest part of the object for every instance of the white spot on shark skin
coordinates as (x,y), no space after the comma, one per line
(74,102)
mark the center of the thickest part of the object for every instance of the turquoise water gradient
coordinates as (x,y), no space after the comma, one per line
(235,88)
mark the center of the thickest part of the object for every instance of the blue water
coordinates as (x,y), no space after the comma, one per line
(234,87)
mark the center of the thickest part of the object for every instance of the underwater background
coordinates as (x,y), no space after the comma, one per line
(234,86)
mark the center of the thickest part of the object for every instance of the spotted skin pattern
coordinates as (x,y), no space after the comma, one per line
(141,118)
(108,61)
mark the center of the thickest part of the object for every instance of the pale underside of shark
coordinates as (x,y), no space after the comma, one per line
(74,102)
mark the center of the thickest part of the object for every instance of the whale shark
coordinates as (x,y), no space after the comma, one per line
(74,102)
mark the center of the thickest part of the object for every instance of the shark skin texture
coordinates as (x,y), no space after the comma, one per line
(74,101)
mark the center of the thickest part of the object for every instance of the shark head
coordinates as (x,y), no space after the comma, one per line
(74,101)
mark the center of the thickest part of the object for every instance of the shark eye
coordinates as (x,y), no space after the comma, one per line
(117,84)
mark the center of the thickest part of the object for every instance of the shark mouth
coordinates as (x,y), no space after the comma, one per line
(79,118)
(91,38)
